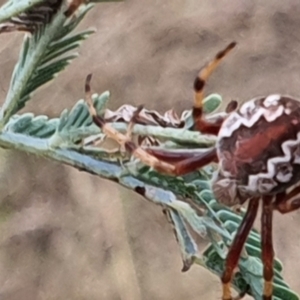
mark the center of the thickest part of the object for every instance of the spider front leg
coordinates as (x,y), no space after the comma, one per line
(168,166)
(200,123)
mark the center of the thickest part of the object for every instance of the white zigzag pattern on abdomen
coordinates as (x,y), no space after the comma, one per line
(272,163)
(248,116)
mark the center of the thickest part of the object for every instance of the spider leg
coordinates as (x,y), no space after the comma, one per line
(188,164)
(199,84)
(237,246)
(267,246)
(73,6)
(231,106)
(286,203)
(187,160)
(242,294)
(132,122)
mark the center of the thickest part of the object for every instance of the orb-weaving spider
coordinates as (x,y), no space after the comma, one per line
(258,155)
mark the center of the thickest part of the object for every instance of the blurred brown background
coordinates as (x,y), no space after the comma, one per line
(70,235)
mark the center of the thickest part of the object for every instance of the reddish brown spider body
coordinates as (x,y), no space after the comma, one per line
(258,149)
(258,155)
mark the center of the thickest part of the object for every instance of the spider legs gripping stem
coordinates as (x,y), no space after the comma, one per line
(177,167)
(237,246)
(267,246)
(199,84)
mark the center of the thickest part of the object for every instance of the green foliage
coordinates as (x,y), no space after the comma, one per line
(29,125)
(15,7)
(188,200)
(43,55)
(71,126)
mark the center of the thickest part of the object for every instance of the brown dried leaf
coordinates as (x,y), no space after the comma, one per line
(145,117)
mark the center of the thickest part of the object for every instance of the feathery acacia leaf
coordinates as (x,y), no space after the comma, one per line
(72,125)
(30,125)
(76,124)
(43,56)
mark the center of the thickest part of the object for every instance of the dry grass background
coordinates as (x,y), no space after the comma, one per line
(70,235)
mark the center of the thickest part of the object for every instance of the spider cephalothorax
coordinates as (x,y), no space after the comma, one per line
(258,148)
(258,152)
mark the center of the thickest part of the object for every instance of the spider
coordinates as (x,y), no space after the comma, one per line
(258,156)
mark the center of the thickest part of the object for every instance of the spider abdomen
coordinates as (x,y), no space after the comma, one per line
(258,149)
